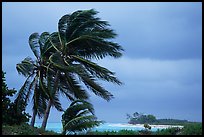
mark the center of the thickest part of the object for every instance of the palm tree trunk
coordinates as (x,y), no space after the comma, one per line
(33,118)
(46,115)
(47,111)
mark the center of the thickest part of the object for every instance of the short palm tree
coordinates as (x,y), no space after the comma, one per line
(79,116)
(81,37)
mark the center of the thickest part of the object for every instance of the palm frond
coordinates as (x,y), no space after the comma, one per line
(42,41)
(25,67)
(67,93)
(63,28)
(98,71)
(92,47)
(34,44)
(75,87)
(40,100)
(24,92)
(81,123)
(56,102)
(96,88)
(88,25)
(58,62)
(83,34)
(77,106)
(79,117)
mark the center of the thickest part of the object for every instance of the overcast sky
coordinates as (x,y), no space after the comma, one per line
(161,67)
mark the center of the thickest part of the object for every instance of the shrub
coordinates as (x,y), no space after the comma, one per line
(192,129)
(168,131)
(12,112)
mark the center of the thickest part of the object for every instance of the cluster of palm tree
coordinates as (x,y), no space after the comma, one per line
(63,64)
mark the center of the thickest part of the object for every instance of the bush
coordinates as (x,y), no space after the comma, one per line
(168,131)
(12,112)
(120,132)
(192,129)
(25,129)
(127,132)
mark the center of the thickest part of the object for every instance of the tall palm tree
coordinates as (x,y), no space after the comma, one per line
(81,37)
(79,116)
(35,73)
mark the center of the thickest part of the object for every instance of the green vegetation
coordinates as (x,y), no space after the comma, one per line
(78,117)
(168,131)
(12,112)
(192,129)
(34,71)
(189,129)
(24,129)
(121,132)
(139,118)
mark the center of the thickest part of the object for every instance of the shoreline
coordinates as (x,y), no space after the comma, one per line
(142,125)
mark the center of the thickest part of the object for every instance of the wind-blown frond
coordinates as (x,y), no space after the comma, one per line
(34,44)
(81,123)
(75,87)
(96,88)
(56,102)
(63,28)
(92,47)
(79,116)
(83,34)
(42,41)
(26,67)
(78,105)
(58,62)
(98,71)
(24,92)
(40,100)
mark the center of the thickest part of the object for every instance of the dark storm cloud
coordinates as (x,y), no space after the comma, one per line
(161,30)
(159,87)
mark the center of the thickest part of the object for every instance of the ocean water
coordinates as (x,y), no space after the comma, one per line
(57,127)
(54,126)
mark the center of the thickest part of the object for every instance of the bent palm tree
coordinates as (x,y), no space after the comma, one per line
(35,71)
(79,116)
(81,37)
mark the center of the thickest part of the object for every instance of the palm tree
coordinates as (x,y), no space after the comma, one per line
(35,73)
(79,116)
(81,37)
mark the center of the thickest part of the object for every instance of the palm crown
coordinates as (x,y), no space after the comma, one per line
(64,59)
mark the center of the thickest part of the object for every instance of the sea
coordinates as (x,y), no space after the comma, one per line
(57,127)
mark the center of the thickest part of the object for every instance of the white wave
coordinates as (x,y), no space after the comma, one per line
(142,125)
(126,125)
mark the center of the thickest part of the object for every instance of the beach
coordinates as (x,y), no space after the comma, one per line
(57,127)
(142,125)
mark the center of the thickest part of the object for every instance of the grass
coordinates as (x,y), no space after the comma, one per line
(25,129)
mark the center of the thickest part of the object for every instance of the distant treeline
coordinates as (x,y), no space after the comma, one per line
(139,118)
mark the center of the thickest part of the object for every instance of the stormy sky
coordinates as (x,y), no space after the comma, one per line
(161,67)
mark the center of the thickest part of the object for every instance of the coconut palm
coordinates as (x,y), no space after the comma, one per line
(35,72)
(79,116)
(81,37)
